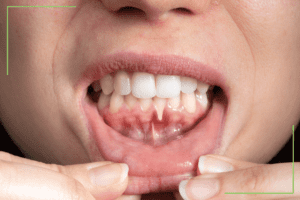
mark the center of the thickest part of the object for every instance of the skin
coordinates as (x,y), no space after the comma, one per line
(255,45)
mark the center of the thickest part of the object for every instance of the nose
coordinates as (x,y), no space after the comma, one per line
(157,10)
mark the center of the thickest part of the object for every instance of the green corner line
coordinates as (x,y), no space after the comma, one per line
(293,189)
(7,44)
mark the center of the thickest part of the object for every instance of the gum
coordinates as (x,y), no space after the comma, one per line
(146,127)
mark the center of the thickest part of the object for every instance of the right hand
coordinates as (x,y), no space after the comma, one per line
(21,178)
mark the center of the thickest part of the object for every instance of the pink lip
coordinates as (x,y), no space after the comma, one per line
(153,169)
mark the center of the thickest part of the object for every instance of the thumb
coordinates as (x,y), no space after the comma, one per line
(104,180)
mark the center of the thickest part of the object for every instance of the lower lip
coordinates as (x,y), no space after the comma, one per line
(162,168)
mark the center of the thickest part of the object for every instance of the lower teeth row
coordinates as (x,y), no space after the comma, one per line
(182,102)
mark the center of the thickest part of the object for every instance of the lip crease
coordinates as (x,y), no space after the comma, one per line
(154,169)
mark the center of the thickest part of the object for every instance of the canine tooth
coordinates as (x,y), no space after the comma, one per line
(96,86)
(188,85)
(107,84)
(103,100)
(202,87)
(174,102)
(116,102)
(122,83)
(145,104)
(167,86)
(143,85)
(160,104)
(202,99)
(189,102)
(130,100)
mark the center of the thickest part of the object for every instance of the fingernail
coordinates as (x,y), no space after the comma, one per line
(201,189)
(109,174)
(208,164)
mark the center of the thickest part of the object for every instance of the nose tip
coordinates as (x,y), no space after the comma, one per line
(156,10)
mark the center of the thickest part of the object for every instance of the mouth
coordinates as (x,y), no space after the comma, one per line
(158,114)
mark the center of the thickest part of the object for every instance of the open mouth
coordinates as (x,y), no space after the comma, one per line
(157,114)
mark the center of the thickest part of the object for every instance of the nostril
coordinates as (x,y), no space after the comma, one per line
(183,10)
(128,10)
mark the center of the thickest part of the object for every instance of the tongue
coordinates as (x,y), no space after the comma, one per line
(155,126)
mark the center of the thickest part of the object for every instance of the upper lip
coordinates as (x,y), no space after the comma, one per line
(154,64)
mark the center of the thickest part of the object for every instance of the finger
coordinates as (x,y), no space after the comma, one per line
(216,164)
(20,181)
(259,179)
(4,156)
(108,180)
(99,178)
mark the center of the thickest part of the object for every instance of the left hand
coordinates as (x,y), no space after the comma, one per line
(220,174)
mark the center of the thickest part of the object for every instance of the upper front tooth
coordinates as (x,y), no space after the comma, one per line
(188,85)
(143,85)
(167,86)
(107,84)
(122,83)
(202,87)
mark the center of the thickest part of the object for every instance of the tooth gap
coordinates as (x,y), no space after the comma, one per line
(94,96)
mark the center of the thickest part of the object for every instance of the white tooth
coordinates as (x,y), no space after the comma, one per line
(202,87)
(189,102)
(122,83)
(174,102)
(145,104)
(167,86)
(130,100)
(96,86)
(159,104)
(143,85)
(116,102)
(202,99)
(188,85)
(107,84)
(103,100)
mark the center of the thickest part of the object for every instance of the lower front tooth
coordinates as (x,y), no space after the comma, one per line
(189,102)
(130,100)
(116,102)
(174,102)
(145,104)
(103,100)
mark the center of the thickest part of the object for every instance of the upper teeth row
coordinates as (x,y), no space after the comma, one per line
(145,85)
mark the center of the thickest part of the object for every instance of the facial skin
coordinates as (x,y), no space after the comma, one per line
(254,44)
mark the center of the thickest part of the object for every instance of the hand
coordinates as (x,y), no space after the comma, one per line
(21,178)
(221,174)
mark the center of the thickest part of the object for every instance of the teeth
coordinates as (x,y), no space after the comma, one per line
(96,86)
(116,102)
(145,104)
(188,85)
(107,84)
(159,104)
(143,85)
(122,83)
(167,86)
(202,87)
(174,102)
(130,100)
(189,102)
(103,101)
(202,99)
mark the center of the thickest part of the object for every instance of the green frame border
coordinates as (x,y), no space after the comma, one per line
(7,29)
(293,189)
